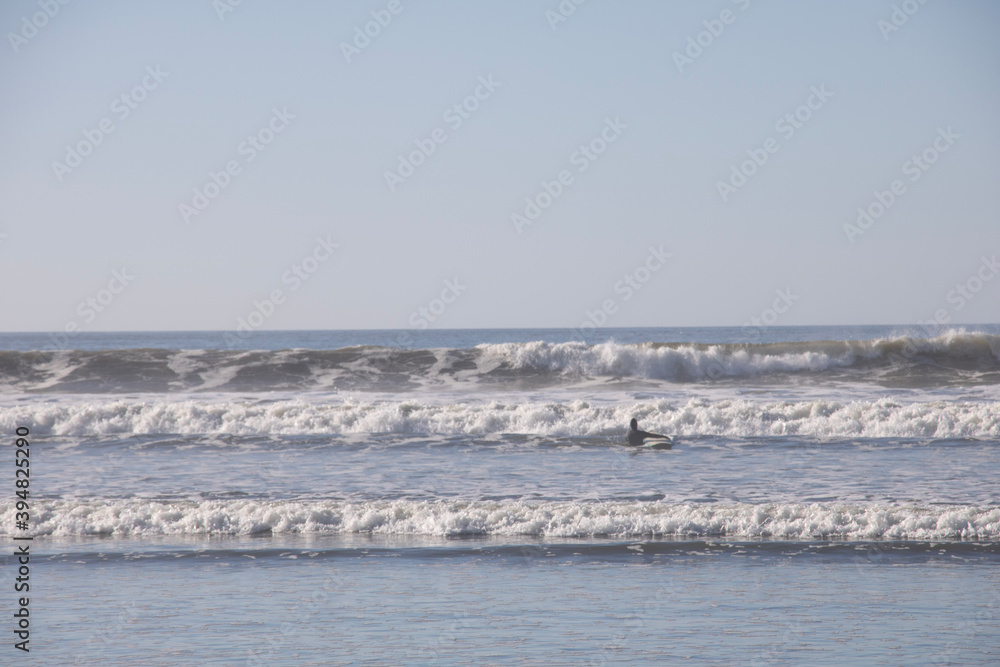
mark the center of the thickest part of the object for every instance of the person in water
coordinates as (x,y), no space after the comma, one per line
(637,437)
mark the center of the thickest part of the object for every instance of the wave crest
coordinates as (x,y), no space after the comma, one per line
(514,518)
(954,358)
(737,418)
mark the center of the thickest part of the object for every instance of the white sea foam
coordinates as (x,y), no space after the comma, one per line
(740,418)
(690,361)
(956,358)
(512,518)
(682,362)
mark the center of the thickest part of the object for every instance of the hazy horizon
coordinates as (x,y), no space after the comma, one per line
(913,325)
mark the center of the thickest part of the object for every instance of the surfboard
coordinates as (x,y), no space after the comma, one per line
(657,443)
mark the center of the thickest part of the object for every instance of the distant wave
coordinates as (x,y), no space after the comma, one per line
(511,518)
(954,358)
(821,418)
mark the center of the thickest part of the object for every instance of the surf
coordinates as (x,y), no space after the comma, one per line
(882,418)
(781,521)
(953,359)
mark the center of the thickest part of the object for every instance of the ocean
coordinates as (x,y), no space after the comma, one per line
(465,497)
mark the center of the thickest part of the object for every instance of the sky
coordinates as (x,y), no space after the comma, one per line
(192,165)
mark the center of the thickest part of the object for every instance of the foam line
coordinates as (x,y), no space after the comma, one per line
(513,518)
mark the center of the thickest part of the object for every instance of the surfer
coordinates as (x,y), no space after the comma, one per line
(637,437)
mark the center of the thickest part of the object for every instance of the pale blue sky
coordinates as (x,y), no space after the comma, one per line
(655,185)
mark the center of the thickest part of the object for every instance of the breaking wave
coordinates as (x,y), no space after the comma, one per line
(512,518)
(954,358)
(739,418)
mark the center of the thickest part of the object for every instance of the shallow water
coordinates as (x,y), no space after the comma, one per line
(832,497)
(316,601)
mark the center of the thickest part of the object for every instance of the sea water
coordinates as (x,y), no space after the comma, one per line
(468,497)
